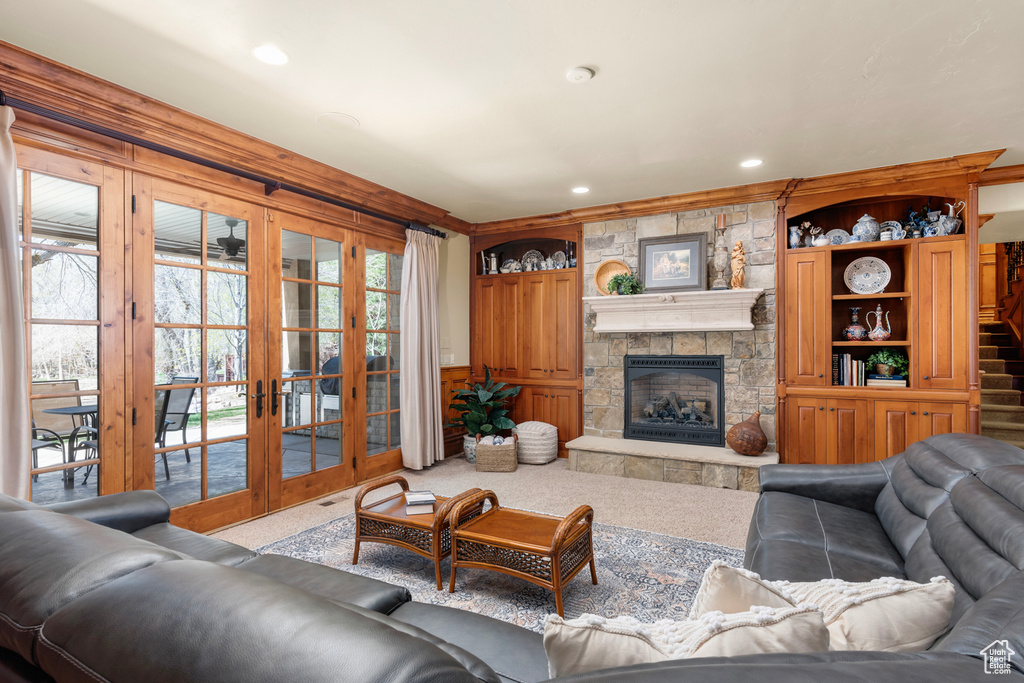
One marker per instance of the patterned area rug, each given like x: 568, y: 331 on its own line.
x: 645, y: 575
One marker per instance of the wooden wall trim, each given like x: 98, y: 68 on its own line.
x: 1002, y: 175
x: 46, y: 83
x: 740, y: 194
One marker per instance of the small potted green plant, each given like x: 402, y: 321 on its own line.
x: 481, y: 411
x: 624, y: 283
x: 889, y: 361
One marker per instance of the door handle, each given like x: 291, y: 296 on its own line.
x: 259, y: 398
x: 832, y: 410
x: 925, y: 412
x: 913, y: 412
x: 925, y: 377
x: 273, y: 397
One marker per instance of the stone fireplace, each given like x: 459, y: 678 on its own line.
x: 678, y: 399
x: 748, y: 355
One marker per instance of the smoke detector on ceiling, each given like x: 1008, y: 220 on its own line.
x: 580, y: 74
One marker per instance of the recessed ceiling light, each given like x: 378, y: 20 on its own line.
x: 581, y: 190
x: 751, y: 163
x: 270, y: 54
x: 335, y: 120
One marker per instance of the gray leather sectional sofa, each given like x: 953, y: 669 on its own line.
x: 107, y: 590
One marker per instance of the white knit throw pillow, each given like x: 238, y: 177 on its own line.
x: 592, y: 642
x: 888, y: 614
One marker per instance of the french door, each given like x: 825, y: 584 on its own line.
x: 198, y: 316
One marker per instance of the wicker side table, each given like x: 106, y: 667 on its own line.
x: 545, y: 550
x: 426, y: 535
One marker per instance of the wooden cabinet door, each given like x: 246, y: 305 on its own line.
x: 941, y: 302
x: 487, y: 304
x: 563, y: 411
x: 806, y: 431
x: 563, y: 325
x: 941, y: 418
x: 807, y: 336
x: 509, y: 327
x: 896, y: 427
x: 537, y: 345
x: 849, y: 431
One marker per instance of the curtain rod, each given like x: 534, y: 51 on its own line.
x: 269, y: 185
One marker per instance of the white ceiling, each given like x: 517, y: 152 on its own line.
x: 464, y: 103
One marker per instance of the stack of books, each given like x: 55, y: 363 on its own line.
x: 419, y: 502
x: 887, y: 381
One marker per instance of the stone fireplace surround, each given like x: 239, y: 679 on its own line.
x: 749, y: 355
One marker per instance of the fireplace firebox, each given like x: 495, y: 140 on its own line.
x: 675, y: 398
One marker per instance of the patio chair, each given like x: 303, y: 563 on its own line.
x: 179, y: 408
x: 62, y: 425
x: 160, y: 423
x: 45, y: 438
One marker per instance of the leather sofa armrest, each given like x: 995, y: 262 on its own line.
x: 127, y: 512
x: 852, y: 486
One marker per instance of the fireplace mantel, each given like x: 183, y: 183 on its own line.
x: 697, y: 311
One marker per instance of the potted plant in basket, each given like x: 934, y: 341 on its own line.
x: 481, y: 411
x: 624, y: 283
x: 889, y: 361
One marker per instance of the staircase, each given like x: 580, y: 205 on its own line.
x: 1002, y: 416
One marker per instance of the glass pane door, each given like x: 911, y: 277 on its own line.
x: 311, y: 378
x: 201, y: 428
x: 72, y: 268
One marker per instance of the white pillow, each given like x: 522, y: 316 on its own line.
x: 593, y: 642
x: 888, y: 614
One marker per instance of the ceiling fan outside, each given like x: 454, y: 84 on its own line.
x: 230, y: 244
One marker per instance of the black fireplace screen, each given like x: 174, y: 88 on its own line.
x: 675, y: 398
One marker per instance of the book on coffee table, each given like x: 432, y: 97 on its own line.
x: 419, y: 502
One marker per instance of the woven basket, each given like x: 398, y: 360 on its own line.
x: 490, y: 458
x: 538, y: 442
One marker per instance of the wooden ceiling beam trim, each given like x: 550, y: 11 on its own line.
x: 1002, y: 175
x: 741, y: 194
x: 46, y: 83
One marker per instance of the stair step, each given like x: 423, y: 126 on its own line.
x: 1003, y: 397
x: 1003, y: 431
x: 985, y: 339
x: 992, y: 380
x: 1008, y: 352
x: 1000, y: 339
x: 997, y: 326
x: 1014, y: 367
x: 988, y: 352
x: 994, y: 365
x: 991, y: 414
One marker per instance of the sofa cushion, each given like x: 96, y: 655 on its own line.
x: 11, y: 504
x: 516, y: 654
x: 192, y: 622
x: 191, y: 545
x: 329, y: 583
x: 794, y: 561
x: 128, y: 511
x: 50, y: 560
x: 839, y: 535
x: 998, y: 615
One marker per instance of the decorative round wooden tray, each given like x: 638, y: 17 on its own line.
x: 606, y: 271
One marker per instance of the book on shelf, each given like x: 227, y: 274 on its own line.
x: 849, y: 372
x: 886, y: 383
x: 894, y: 378
x: 419, y: 509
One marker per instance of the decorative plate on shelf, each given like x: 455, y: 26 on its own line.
x: 606, y: 271
x: 510, y: 265
x: 532, y: 257
x: 891, y: 225
x: 867, y: 275
x: 558, y: 257
x: 838, y: 236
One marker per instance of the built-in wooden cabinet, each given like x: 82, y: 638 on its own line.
x: 526, y: 328
x: 932, y: 313
x: 942, y: 345
x: 452, y: 378
x: 829, y: 431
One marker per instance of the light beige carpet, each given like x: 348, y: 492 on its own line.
x: 704, y: 514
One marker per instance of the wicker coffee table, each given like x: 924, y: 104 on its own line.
x: 545, y: 550
x: 426, y: 535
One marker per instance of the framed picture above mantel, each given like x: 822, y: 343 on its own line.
x: 674, y: 263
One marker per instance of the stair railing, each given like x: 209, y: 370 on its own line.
x: 1011, y: 306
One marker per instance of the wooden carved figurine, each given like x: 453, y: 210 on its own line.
x: 739, y: 260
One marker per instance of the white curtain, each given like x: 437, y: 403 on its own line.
x: 421, y: 414
x: 15, y: 421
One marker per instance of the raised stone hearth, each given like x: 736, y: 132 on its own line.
x: 659, y: 461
